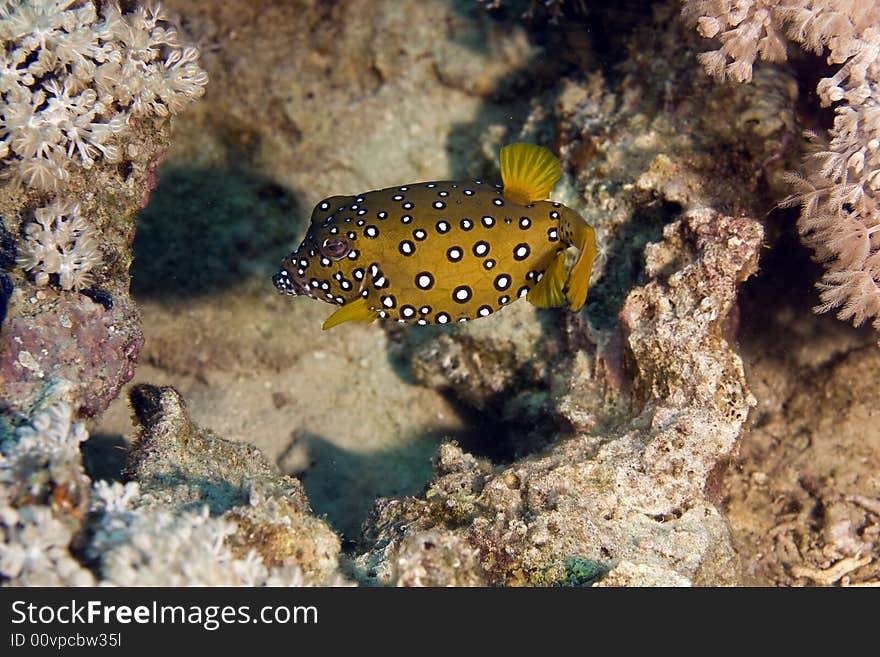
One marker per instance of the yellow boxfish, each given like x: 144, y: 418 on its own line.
x: 446, y: 251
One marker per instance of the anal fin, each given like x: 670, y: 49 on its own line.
x: 548, y: 293
x: 354, y: 311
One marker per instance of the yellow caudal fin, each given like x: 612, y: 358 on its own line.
x: 528, y: 172
x: 579, y: 277
x: 354, y: 311
x: 548, y: 293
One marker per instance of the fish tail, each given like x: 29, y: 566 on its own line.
x: 528, y: 172
x: 580, y: 234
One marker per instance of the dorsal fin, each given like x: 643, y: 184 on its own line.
x: 528, y: 172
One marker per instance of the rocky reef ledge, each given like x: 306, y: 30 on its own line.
x: 630, y: 501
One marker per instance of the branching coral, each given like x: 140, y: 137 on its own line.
x: 839, y: 190
x: 60, y: 244
x: 72, y: 75
x: 34, y: 549
x: 152, y: 545
x: 132, y: 539
x: 38, y: 463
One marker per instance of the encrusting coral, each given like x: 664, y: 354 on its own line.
x: 74, y: 72
x: 60, y: 242
x: 839, y: 190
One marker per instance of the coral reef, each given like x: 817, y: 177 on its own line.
x: 180, y: 465
x: 35, y: 549
x: 639, y: 149
x: 430, y: 78
x: 41, y: 463
x: 839, y: 189
x: 569, y: 450
x: 156, y: 546
x: 60, y: 243
x: 505, y: 372
x: 230, y: 520
x: 75, y: 73
x: 44, y: 494
x: 86, y: 91
x: 73, y: 339
x: 631, y: 495
x: 749, y: 28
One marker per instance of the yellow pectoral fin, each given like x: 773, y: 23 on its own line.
x: 354, y: 311
x: 548, y: 293
x: 579, y: 278
x: 528, y: 172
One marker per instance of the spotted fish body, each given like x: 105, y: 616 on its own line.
x: 434, y: 253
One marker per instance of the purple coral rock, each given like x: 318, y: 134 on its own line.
x: 75, y: 339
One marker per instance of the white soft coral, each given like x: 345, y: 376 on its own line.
x: 71, y: 76
x: 839, y: 190
x: 59, y: 243
x: 840, y: 212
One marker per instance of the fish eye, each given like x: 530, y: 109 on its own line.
x: 335, y: 248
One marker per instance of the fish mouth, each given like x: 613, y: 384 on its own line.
x: 287, y: 285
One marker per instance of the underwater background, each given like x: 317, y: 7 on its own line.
x: 695, y: 424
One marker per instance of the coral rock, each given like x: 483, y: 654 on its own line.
x: 75, y: 339
x: 179, y: 465
x: 627, y: 500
